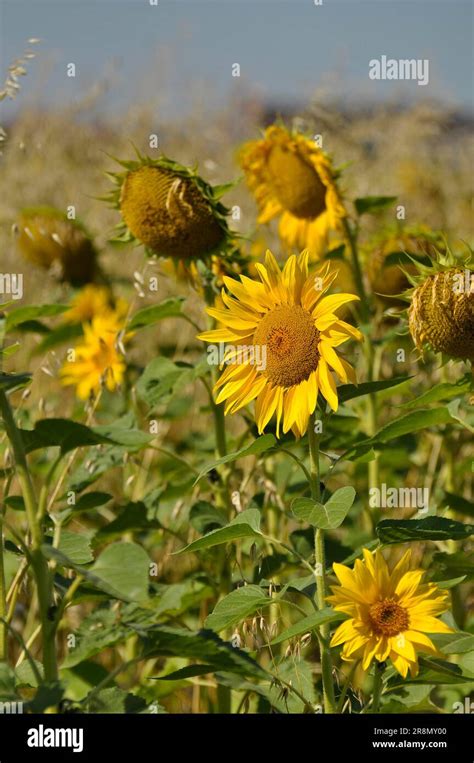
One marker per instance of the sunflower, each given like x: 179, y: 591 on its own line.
x: 48, y: 239
x: 170, y: 209
x: 284, y: 333
x: 291, y: 177
x: 390, y: 613
x: 98, y: 360
x: 88, y: 302
x: 441, y: 313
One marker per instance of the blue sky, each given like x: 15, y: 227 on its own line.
x: 286, y: 48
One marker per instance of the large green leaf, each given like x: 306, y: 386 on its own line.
x: 64, y: 433
x: 413, y: 422
x: 21, y: 315
x: 430, y: 528
x: 433, y: 671
x: 373, y: 204
x: 204, y: 645
x: 454, y: 643
x: 327, y: 516
x: 122, y: 570
x: 76, y: 547
x: 442, y: 391
x: 309, y: 623
x: 236, y: 606
x: 162, y: 379
x: 245, y: 525
x: 149, y: 315
x: 350, y: 391
x: 10, y: 381
x: 97, y: 631
x: 260, y: 445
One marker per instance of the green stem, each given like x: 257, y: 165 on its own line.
x: 378, y: 686
x: 3, y: 600
x: 320, y: 566
x: 38, y: 562
x: 359, y: 280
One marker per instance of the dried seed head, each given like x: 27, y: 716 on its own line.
x: 169, y: 213
x: 441, y: 313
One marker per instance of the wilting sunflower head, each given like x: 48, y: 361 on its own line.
x: 98, y: 361
x: 170, y: 210
x: 389, y: 612
x: 389, y: 259
x: 281, y: 334
x: 292, y: 178
x: 441, y: 313
x: 48, y: 239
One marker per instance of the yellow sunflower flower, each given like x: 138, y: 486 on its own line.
x: 284, y: 332
x: 90, y: 301
x: 390, y: 613
x: 291, y: 177
x: 98, y: 361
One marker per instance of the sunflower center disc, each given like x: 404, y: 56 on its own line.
x: 291, y: 340
x: 296, y: 184
x: 388, y: 618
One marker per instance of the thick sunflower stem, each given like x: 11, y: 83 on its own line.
x: 320, y: 566
x: 39, y: 564
x: 378, y: 686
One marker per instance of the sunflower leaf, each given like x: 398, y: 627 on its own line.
x: 170, y: 308
x: 373, y: 204
x: 245, y: 525
x: 236, y: 606
x: 260, y: 445
x: 309, y: 623
x: 326, y: 516
x: 430, y: 528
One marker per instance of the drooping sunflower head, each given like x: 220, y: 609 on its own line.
x: 170, y: 210
x: 292, y: 178
x: 98, y: 361
x: 48, y: 239
x: 441, y: 312
x: 389, y: 258
x: 281, y: 333
x: 389, y: 612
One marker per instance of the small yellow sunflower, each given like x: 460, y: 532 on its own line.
x: 98, y: 361
x: 284, y: 333
x: 171, y: 210
x: 91, y: 301
x: 291, y: 177
x: 390, y: 613
x: 48, y: 239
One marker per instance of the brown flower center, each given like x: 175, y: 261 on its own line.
x: 296, y: 184
x: 388, y: 618
x: 291, y: 340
